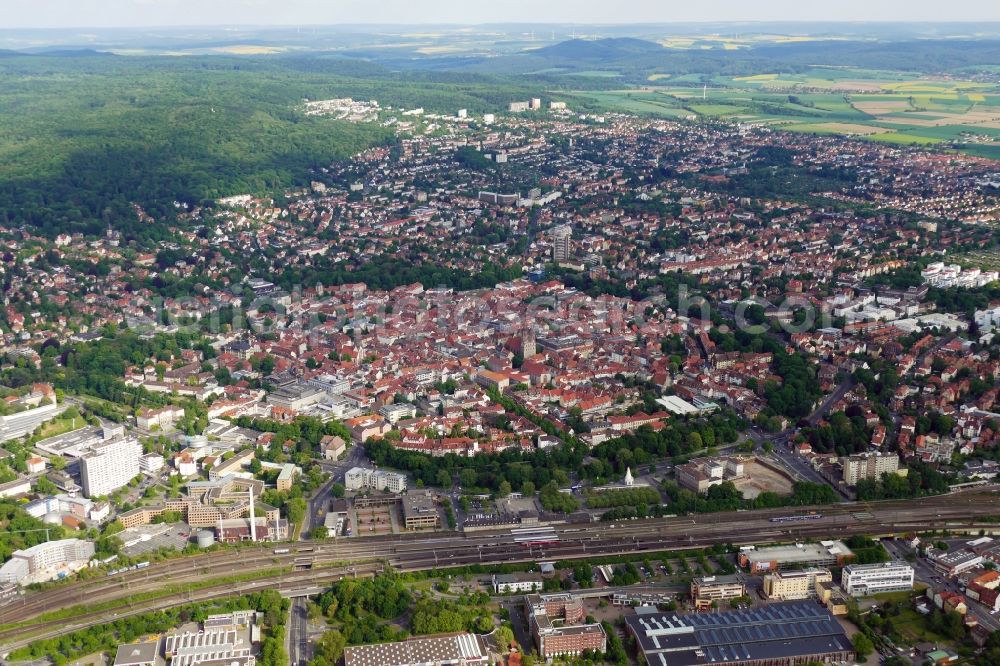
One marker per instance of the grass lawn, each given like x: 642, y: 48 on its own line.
x: 61, y: 425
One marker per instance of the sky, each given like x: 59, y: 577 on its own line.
x: 150, y: 13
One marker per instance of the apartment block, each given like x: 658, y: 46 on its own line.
x: 109, y: 466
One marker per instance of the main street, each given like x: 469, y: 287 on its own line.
x: 210, y: 575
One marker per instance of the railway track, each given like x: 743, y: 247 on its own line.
x: 423, y: 551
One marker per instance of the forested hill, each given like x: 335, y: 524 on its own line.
x: 83, y: 139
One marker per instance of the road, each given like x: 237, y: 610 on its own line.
x: 210, y: 575
x: 297, y: 638
x: 319, y: 503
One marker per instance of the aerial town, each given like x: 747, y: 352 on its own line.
x: 531, y: 385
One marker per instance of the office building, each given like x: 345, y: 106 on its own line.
x: 420, y: 512
x: 109, y: 466
x: 871, y: 465
x: 710, y: 589
x: 456, y: 650
x: 785, y: 634
x: 860, y: 580
x: 558, y: 628
x: 790, y: 585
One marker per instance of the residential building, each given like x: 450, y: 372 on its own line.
x: 859, y: 580
x: 109, y: 466
x: 561, y: 248
x: 46, y: 561
x: 869, y: 465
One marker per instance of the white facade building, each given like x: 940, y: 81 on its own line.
x: 47, y: 555
x: 109, y: 466
x: 358, y: 478
x: 860, y: 580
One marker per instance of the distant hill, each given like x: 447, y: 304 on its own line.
x: 605, y: 50
x: 66, y: 53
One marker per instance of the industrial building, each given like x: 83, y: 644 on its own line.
x: 860, y: 580
x: 784, y: 634
x: 454, y: 650
x: 822, y: 554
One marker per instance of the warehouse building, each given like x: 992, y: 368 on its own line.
x: 784, y: 634
x: 822, y: 554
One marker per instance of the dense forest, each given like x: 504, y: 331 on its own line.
x: 85, y: 139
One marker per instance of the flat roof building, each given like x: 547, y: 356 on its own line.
x: 451, y: 650
x: 784, y: 634
x: 822, y: 554
x: 710, y: 589
x: 789, y: 585
x: 859, y: 580
x: 110, y: 465
x: 137, y: 654
x: 557, y: 625
x: 420, y: 512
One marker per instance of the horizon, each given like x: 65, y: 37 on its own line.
x: 140, y: 14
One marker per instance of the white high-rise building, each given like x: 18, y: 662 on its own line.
x: 109, y: 466
x: 860, y: 580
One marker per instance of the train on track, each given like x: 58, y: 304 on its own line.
x: 795, y: 519
x: 134, y: 567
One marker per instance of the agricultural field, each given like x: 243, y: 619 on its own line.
x: 888, y: 107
